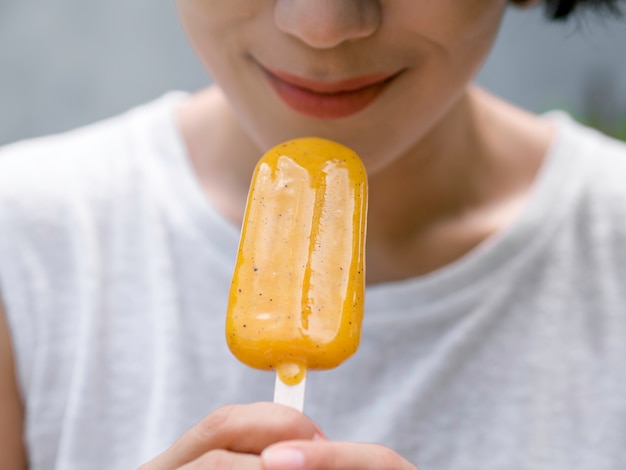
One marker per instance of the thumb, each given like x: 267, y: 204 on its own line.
x: 326, y: 455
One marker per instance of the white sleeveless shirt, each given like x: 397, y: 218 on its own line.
x: 115, y: 268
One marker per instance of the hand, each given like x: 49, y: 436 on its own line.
x: 232, y: 437
x: 265, y: 436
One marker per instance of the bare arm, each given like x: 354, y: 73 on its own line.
x: 12, y: 450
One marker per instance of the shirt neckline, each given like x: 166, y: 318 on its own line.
x: 208, y: 221
x: 550, y: 199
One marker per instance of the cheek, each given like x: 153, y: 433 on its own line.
x: 211, y: 23
x: 449, y: 22
x: 220, y: 11
x: 213, y: 26
x: 471, y: 44
x: 453, y: 37
x: 482, y: 23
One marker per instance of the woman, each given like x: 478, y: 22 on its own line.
x: 495, y: 325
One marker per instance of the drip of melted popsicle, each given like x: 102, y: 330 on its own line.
x: 297, y: 294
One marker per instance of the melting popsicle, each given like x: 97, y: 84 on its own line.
x: 297, y: 294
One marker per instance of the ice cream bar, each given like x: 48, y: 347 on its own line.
x: 297, y: 294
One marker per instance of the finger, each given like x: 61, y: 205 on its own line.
x: 324, y: 455
x: 224, y: 460
x: 238, y: 428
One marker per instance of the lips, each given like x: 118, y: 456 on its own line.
x: 327, y: 100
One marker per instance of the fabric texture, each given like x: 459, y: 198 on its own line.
x: 115, y: 268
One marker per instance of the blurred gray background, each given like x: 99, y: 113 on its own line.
x: 65, y: 63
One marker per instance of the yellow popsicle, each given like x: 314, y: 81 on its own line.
x: 297, y: 294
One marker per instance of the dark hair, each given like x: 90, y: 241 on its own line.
x: 562, y: 9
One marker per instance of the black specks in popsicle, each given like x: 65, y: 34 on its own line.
x: 239, y: 290
x: 255, y: 269
x: 245, y: 326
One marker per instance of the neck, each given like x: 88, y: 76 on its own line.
x: 466, y: 180
x: 222, y: 154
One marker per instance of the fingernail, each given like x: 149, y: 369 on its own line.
x: 319, y: 435
x: 282, y: 459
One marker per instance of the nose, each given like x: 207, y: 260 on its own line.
x: 324, y: 24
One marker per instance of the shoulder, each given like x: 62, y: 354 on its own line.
x: 82, y: 154
x: 44, y: 181
x: 599, y: 205
x: 44, y: 163
x: 606, y: 166
x: 601, y: 159
x: 86, y: 164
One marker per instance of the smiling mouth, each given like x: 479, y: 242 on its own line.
x: 327, y: 100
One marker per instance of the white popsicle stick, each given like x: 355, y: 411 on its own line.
x: 289, y: 395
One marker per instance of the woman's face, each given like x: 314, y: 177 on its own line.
x: 376, y: 75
